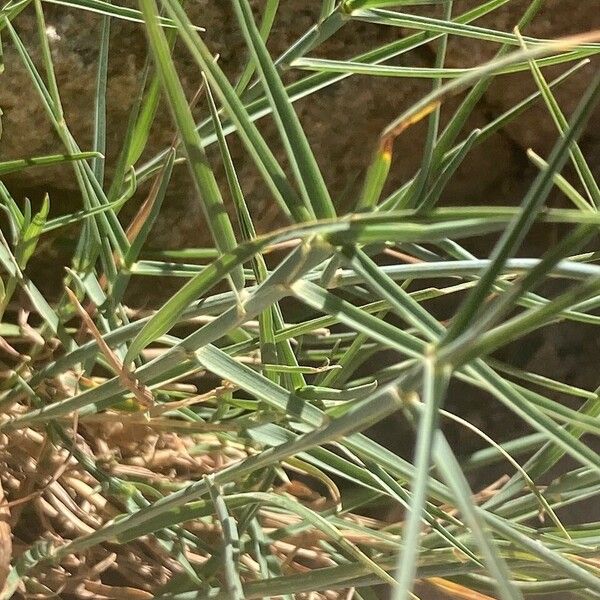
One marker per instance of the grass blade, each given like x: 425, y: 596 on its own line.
x: 308, y: 175
x: 204, y: 179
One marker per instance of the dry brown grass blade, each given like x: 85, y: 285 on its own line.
x: 117, y: 593
x: 6, y: 347
x: 386, y: 141
x: 455, y: 590
x: 481, y: 496
x: 142, y: 394
x: 160, y: 423
x: 5, y: 539
x: 196, y: 399
x: 43, y: 463
x: 29, y: 333
x: 140, y: 217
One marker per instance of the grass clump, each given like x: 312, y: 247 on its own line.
x: 213, y: 446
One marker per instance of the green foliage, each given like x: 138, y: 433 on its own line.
x: 283, y: 383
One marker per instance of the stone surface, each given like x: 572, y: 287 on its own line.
x: 342, y: 121
x: 557, y: 18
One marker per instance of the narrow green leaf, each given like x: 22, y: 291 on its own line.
x: 307, y: 172
x: 231, y: 542
x: 449, y: 467
x: 397, y: 19
x: 375, y: 177
x: 515, y: 233
x: 259, y: 150
x: 167, y: 316
x: 13, y: 166
x: 111, y: 10
x: 565, y: 187
x: 583, y: 170
x: 435, y: 382
x: 204, y: 179
x: 31, y: 234
x: 268, y: 17
x: 99, y: 143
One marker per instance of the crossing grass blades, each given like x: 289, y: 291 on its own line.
x: 213, y: 446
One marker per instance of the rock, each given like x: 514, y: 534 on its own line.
x: 342, y: 121
x: 556, y: 18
